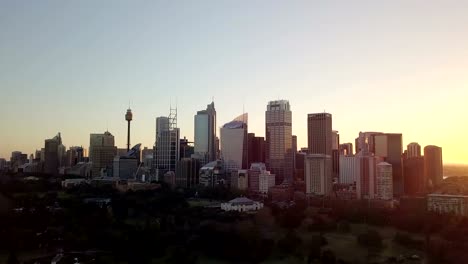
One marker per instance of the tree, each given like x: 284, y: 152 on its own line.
x: 328, y: 257
x: 370, y: 239
x: 12, y: 258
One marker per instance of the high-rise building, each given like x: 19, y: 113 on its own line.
x: 278, y: 130
x: 390, y: 147
x: 17, y: 160
x: 384, y: 181
x: 335, y: 155
x: 294, y: 151
x: 51, y: 154
x: 167, y: 145
x: 366, y: 141
x: 2, y: 164
x: 365, y: 175
x: 415, y: 180
x: 102, y: 151
x: 317, y: 174
x: 319, y: 134
x: 205, y: 134
x: 234, y: 144
x: 299, y: 166
x: 74, y: 156
x: 346, y: 149
x: 256, y: 149
x: 186, y: 148
x: 347, y: 170
x: 413, y: 150
x: 433, y: 166
x: 321, y: 139
x: 187, y: 175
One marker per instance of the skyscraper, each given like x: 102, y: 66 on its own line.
x: 320, y: 139
x: 278, y: 130
x: 319, y: 134
x: 256, y: 149
x: 415, y: 178
x: 433, y: 166
x: 366, y: 141
x: 346, y: 149
x: 188, y: 171
x: 413, y: 150
x: 167, y: 145
x: 205, y: 134
x: 365, y: 175
x: 234, y: 144
x: 390, y: 147
x: 51, y: 155
x: 335, y: 155
x: 102, y: 151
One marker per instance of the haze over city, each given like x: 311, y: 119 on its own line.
x: 73, y: 67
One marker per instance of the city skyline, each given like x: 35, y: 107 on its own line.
x: 63, y: 73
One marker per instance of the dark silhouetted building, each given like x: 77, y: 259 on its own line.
x: 415, y: 179
x: 186, y: 148
x: 256, y: 149
x: 320, y: 134
x: 433, y: 166
x: 51, y: 154
x: 319, y: 164
x: 206, y: 146
x: 187, y: 175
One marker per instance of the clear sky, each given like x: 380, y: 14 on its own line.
x: 390, y: 66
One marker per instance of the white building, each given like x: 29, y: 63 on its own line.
x: 241, y: 204
x: 384, y: 181
x: 347, y: 169
x: 318, y: 174
x: 234, y: 144
x: 266, y: 181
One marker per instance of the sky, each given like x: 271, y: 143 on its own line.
x: 74, y: 67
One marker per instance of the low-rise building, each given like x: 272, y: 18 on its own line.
x: 241, y: 204
x: 448, y: 203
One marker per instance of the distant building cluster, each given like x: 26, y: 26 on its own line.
x: 375, y: 166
